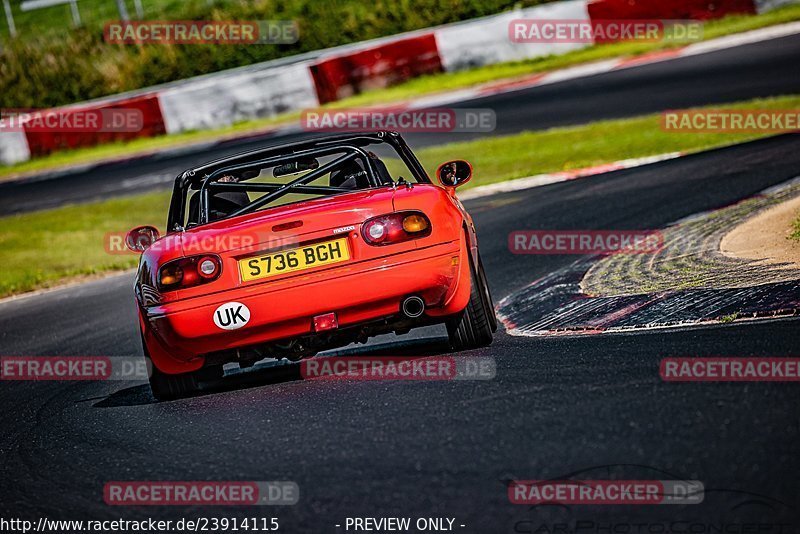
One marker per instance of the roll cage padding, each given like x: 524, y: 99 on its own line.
x: 282, y: 189
x: 197, y: 175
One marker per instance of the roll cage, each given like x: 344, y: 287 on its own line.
x: 352, y: 146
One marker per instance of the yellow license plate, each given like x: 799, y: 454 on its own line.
x: 297, y: 259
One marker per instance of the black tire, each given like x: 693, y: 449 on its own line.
x: 474, y: 327
x: 487, y: 296
x: 170, y: 387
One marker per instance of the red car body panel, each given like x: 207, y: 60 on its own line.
x: 178, y: 327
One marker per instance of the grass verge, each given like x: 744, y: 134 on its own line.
x: 49, y: 247
x: 422, y: 86
x: 497, y: 159
x: 795, y: 235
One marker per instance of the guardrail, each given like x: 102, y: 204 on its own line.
x: 301, y: 82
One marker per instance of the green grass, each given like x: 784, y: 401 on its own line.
x: 729, y: 318
x: 795, y: 229
x: 504, y: 158
x: 51, y: 64
x: 58, y: 19
x: 44, y: 248
x: 414, y: 88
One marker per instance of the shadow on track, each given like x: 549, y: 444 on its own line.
x: 277, y: 372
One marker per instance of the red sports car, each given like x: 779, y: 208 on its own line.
x: 294, y: 249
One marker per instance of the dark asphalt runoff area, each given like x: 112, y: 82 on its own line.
x: 591, y: 406
x: 764, y: 69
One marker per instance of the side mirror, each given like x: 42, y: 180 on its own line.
x: 141, y: 237
x: 454, y: 173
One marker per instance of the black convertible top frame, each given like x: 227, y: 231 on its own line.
x: 202, y: 177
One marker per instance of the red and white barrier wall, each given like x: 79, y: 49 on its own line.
x: 345, y: 74
x: 14, y: 147
x: 268, y: 89
x: 44, y: 141
x: 485, y: 41
x: 216, y: 101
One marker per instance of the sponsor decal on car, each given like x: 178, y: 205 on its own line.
x: 231, y: 316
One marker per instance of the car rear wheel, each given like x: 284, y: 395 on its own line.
x: 475, y: 326
x: 487, y: 296
x: 170, y: 387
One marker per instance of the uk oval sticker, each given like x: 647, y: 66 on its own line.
x: 231, y: 316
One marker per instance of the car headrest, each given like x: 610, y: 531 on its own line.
x: 222, y: 204
x: 350, y: 176
x: 383, y: 172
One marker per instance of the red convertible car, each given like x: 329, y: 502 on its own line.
x: 290, y: 250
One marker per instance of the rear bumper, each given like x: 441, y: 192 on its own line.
x: 178, y: 334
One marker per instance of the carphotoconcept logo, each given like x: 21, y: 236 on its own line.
x: 585, y: 241
x: 186, y: 32
x: 400, y: 120
x: 566, y: 503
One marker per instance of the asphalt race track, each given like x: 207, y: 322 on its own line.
x: 762, y: 69
x: 558, y: 405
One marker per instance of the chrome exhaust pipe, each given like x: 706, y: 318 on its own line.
x: 413, y: 307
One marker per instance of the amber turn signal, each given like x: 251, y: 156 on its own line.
x: 415, y: 223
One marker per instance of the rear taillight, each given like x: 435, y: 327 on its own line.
x: 396, y: 228
x: 189, y: 272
